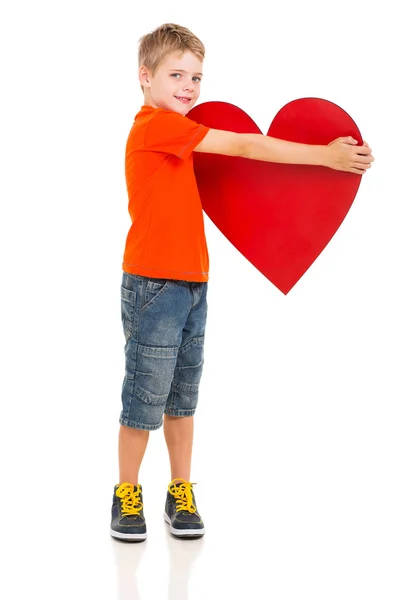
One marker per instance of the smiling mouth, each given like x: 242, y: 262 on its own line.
x: 183, y: 98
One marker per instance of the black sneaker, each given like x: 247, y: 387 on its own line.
x: 127, y: 518
x: 181, y: 512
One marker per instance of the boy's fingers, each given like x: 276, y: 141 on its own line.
x: 362, y: 166
x: 348, y: 140
x: 360, y: 170
x: 365, y: 159
x: 363, y: 150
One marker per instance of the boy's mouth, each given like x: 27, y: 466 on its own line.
x: 183, y: 99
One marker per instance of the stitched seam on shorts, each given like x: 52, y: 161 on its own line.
x: 196, y: 341
x: 158, y: 351
x: 147, y: 397
x: 185, y: 387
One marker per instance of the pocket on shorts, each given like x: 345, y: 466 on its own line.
x: 128, y: 303
x: 154, y: 373
x: 153, y: 290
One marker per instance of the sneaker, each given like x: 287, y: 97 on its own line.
x: 181, y: 512
x: 127, y: 518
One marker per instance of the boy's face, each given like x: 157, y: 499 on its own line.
x: 175, y: 85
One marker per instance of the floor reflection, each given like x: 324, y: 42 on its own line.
x: 127, y: 559
x: 182, y: 557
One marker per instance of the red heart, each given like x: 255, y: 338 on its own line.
x: 280, y: 217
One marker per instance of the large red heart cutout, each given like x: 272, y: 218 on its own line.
x: 279, y: 216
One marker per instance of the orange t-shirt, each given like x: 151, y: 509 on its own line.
x: 166, y: 238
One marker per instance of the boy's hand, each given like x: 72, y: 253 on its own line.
x: 345, y: 155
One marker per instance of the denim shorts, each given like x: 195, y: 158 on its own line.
x: 164, y: 324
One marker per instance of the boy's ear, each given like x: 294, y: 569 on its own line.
x: 144, y: 76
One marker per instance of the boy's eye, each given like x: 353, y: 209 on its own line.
x: 179, y: 74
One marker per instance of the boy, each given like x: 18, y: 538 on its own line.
x: 165, y: 268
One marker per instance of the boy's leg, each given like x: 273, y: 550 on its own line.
x: 181, y: 512
x: 127, y: 518
x: 151, y: 352
x: 132, y: 445
x: 178, y: 432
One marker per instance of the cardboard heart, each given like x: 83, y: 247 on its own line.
x: 280, y: 217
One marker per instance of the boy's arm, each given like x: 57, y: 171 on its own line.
x: 342, y: 154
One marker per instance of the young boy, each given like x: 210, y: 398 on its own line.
x: 165, y: 268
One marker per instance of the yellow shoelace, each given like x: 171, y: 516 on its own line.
x: 131, y: 504
x: 183, y: 494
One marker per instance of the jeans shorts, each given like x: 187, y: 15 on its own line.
x: 164, y: 324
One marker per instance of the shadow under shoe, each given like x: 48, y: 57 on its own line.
x: 180, y: 510
x: 127, y: 518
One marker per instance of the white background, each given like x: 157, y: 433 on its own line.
x: 297, y: 435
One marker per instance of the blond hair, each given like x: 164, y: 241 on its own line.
x: 167, y: 39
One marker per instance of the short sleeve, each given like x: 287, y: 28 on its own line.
x: 173, y: 133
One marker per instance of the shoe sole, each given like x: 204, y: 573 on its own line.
x: 129, y: 537
x: 183, y: 532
